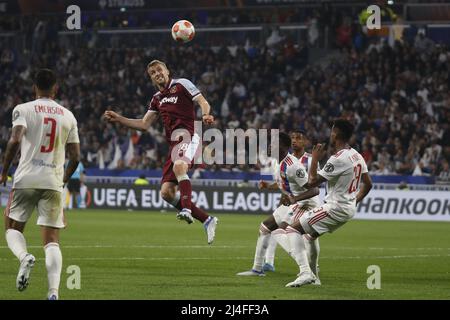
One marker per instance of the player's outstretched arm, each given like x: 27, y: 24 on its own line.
x: 365, y: 187
x: 74, y: 154
x: 305, y: 195
x: 138, y: 124
x: 207, y: 118
x: 11, y: 150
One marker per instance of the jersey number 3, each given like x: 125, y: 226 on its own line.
x: 51, y: 135
x: 356, y: 178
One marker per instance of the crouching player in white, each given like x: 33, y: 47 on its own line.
x: 299, y: 141
x: 292, y: 177
x: 343, y: 172
x: 43, y: 130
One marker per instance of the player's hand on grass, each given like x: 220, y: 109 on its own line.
x: 263, y: 185
x: 208, y: 119
x: 111, y: 116
x: 319, y: 151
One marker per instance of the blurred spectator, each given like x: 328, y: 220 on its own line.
x: 141, y: 181
x: 398, y: 97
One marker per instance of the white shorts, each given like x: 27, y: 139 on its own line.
x: 49, y: 204
x: 323, y: 219
x: 289, y: 214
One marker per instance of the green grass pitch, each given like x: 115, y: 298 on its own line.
x: 151, y: 255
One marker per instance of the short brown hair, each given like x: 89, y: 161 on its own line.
x: 153, y: 62
x: 45, y: 79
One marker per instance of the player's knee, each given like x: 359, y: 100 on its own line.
x: 180, y: 167
x: 283, y: 225
x: 167, y: 195
x: 263, y: 230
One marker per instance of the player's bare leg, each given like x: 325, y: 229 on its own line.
x: 295, y: 234
x: 53, y: 260
x: 265, y: 230
x: 17, y: 244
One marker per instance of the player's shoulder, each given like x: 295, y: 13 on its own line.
x: 183, y: 81
x: 186, y: 84
x: 288, y: 161
x: 305, y: 157
x: 67, y: 111
x: 24, y: 106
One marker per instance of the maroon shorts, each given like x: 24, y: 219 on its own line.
x: 184, y: 151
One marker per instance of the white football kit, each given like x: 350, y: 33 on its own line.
x: 292, y: 176
x: 343, y: 173
x: 38, y: 180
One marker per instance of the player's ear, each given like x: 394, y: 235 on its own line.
x: 55, y: 89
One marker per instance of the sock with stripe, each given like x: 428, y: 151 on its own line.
x: 298, y: 249
x: 261, y: 247
x: 197, y: 213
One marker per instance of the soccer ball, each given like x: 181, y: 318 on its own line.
x: 183, y: 31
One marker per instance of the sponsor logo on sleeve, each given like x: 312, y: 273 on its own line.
x: 329, y: 168
x: 16, y: 115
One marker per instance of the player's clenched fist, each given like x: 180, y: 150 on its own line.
x: 208, y: 119
x: 111, y: 116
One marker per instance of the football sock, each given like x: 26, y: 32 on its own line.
x: 198, y: 213
x: 298, y: 250
x: 313, y: 250
x: 53, y: 263
x: 261, y: 247
x: 16, y: 243
x: 281, y: 238
x: 270, y: 253
x: 185, y: 191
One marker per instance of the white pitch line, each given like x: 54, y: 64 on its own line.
x: 138, y: 246
x: 234, y: 258
x: 220, y: 247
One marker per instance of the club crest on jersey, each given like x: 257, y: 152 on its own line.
x: 172, y: 100
x: 173, y: 89
x: 329, y: 168
x: 300, y: 173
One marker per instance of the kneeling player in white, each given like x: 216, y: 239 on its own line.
x: 291, y: 179
x: 299, y: 141
x: 343, y: 173
x: 43, y: 130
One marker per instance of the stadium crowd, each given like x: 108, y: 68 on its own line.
x: 397, y: 95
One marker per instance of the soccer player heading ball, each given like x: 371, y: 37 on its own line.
x: 174, y: 102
